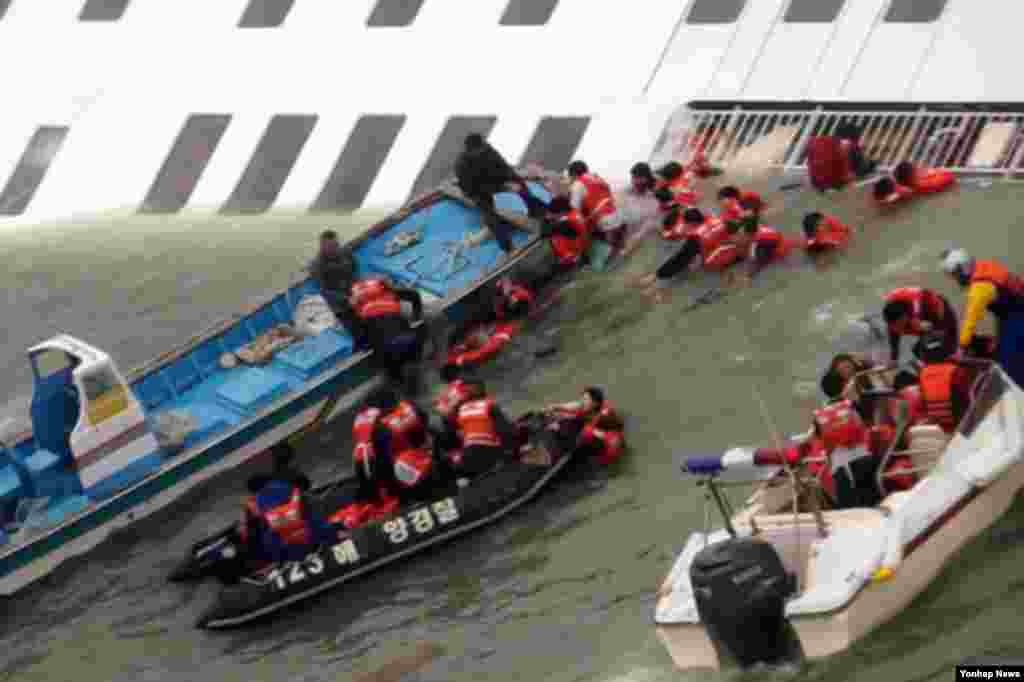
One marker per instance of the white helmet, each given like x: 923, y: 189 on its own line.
x: 957, y: 261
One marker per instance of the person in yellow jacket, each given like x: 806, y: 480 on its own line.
x: 990, y: 286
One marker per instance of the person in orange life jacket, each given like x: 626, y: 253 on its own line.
x: 729, y: 207
x: 824, y: 233
x: 485, y: 435
x: 915, y: 311
x: 990, y: 286
x: 701, y: 237
x: 758, y: 244
x: 569, y: 233
x: 376, y: 481
x: 590, y: 426
x: 506, y: 300
x: 280, y: 525
x: 592, y: 197
x: 481, y: 173
x: 922, y: 180
x: 642, y: 180
x: 945, y: 384
x: 887, y: 191
x: 394, y: 341
x: 403, y: 448
x: 676, y: 179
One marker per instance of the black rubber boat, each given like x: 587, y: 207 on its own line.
x: 454, y: 511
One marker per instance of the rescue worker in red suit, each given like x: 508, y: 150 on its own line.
x: 485, y: 436
x: 394, y: 341
x: 945, y: 383
x: 278, y: 523
x: 701, y: 236
x: 403, y: 449
x: 590, y: 426
x: 591, y: 195
x: 915, y: 311
x: 508, y: 299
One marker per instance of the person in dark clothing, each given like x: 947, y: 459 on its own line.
x: 394, y: 340
x: 481, y: 173
x: 503, y: 300
x: 849, y: 134
x: 402, y: 425
x: 486, y: 435
x: 334, y: 269
x: 284, y: 469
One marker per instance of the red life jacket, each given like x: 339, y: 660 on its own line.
x: 830, y: 233
x: 612, y: 440
x: 932, y: 180
x: 568, y: 250
x: 404, y: 425
x: 1009, y: 287
x: 682, y: 193
x: 678, y: 229
x: 362, y: 436
x: 374, y: 297
x: 711, y: 235
x: 288, y: 522
x: 513, y: 293
x: 769, y: 235
x: 413, y: 466
x: 937, y: 394
x: 498, y: 336
x: 450, y: 397
x: 597, y: 201
x: 925, y: 305
x: 475, y: 424
x: 839, y: 426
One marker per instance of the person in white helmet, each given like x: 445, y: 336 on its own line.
x: 990, y: 286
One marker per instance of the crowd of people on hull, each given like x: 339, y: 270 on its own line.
x: 400, y: 457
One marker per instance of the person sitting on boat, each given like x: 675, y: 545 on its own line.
x: 279, y: 523
x: 824, y: 233
x: 990, y: 286
x: 334, y: 269
x: 945, y: 383
x: 375, y: 479
x: 591, y: 195
x: 675, y: 178
x: 642, y: 180
x: 394, y: 341
x: 484, y: 435
x: 914, y: 311
x: 403, y: 457
x: 590, y: 426
x: 482, y: 172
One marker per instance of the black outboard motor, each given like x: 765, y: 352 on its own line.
x: 741, y: 587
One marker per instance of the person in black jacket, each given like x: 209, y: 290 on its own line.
x: 334, y: 269
x: 481, y: 173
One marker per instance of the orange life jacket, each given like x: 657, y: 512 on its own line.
x: 769, y: 235
x: 362, y: 436
x: 405, y: 427
x: 413, y: 466
x: 498, y: 336
x: 831, y: 233
x: 839, y: 426
x: 512, y: 292
x: 374, y: 297
x: 288, y: 521
x: 678, y: 229
x: 475, y: 424
x: 712, y: 234
x: 450, y: 397
x: 682, y: 193
x: 925, y: 306
x: 937, y: 394
x: 597, y: 201
x: 568, y: 250
x: 1010, y: 287
x: 932, y: 180
x: 611, y: 439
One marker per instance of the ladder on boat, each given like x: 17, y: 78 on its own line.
x: 968, y: 139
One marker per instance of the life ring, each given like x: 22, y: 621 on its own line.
x: 498, y: 335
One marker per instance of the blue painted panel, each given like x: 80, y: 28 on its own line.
x: 60, y: 510
x: 206, y: 358
x: 252, y: 388
x: 261, y: 321
x: 183, y: 374
x: 283, y: 312
x: 235, y: 337
x: 152, y: 391
x: 12, y: 489
x: 50, y: 476
x: 128, y: 476
x: 315, y: 354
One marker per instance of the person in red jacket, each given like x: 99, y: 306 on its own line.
x: 590, y: 426
x: 759, y: 245
x: 702, y: 236
x: 396, y: 343
x: 591, y: 195
x: 570, y: 235
x: 824, y: 233
x: 913, y: 311
x: 676, y: 179
x: 945, y: 383
x: 485, y: 436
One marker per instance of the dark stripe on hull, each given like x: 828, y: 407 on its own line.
x: 122, y: 439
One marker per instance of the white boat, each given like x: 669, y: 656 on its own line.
x: 812, y: 584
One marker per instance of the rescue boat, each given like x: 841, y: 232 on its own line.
x: 779, y: 584
x: 454, y: 510
x: 106, y: 448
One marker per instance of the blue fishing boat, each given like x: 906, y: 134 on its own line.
x: 95, y: 458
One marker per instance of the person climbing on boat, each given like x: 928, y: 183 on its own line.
x: 279, y: 524
x: 569, y: 234
x: 484, y: 332
x: 590, y: 426
x: 946, y: 383
x: 824, y: 234
x: 642, y: 180
x: 481, y: 172
x: 451, y: 394
x: 591, y: 195
x: 485, y: 436
x: 334, y: 269
x: 395, y: 342
x: 702, y: 236
x: 914, y: 311
x: 990, y: 286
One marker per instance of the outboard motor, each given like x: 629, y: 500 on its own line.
x: 741, y: 586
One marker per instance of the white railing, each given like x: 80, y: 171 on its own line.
x: 964, y: 139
